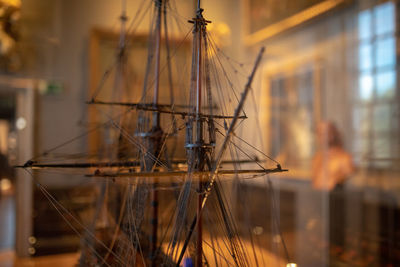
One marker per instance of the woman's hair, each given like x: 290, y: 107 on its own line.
x: 329, y: 133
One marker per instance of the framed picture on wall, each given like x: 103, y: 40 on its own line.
x: 294, y: 110
x: 267, y: 18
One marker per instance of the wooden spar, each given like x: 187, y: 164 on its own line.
x: 164, y: 108
x: 198, y: 80
x: 182, y: 173
x: 122, y: 46
x: 122, y: 35
x: 154, y: 222
x: 199, y: 128
x: 232, y: 126
x: 198, y: 149
x: 119, y: 164
x: 82, y: 165
x: 156, y: 125
x: 156, y: 116
x: 142, y: 105
x: 199, y: 246
x: 215, y: 169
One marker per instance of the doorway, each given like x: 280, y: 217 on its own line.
x: 16, y: 146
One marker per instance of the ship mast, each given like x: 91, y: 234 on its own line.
x: 198, y: 150
x: 156, y: 134
x: 214, y: 171
x: 156, y: 115
x: 122, y: 36
x: 199, y: 128
x: 201, y: 153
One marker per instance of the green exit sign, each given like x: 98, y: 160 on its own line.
x: 48, y: 87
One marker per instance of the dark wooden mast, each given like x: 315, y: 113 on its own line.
x: 218, y: 160
x: 198, y: 150
x: 199, y: 128
x: 155, y: 138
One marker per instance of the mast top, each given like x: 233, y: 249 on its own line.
x: 199, y: 11
x: 123, y: 16
x: 199, y: 19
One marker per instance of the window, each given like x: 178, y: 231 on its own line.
x: 375, y: 125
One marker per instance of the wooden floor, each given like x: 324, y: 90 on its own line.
x: 264, y: 258
x: 261, y: 257
x: 7, y: 240
x: 8, y: 259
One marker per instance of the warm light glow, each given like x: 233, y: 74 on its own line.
x: 258, y: 230
x: 220, y: 32
x: 220, y: 28
x: 291, y: 265
x: 14, y: 3
x: 32, y: 240
x: 31, y: 250
x: 20, y: 123
x: 5, y: 184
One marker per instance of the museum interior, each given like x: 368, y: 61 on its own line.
x: 199, y: 133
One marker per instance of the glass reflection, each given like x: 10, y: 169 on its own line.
x: 385, y: 84
x: 366, y: 87
x: 364, y: 24
x: 360, y: 149
x: 384, y: 18
x: 385, y: 52
x: 361, y: 120
x: 381, y: 150
x: 365, y: 57
x: 381, y: 117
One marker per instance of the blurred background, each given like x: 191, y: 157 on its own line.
x: 327, y: 104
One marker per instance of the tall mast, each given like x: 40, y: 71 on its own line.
x: 218, y: 160
x: 120, y: 75
x: 123, y: 18
x: 199, y: 127
x: 198, y: 81
x: 156, y: 116
x: 122, y: 45
x: 155, y: 140
x: 197, y: 149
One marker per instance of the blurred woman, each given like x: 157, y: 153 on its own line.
x: 332, y: 165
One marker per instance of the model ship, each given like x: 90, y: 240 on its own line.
x: 153, y: 208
